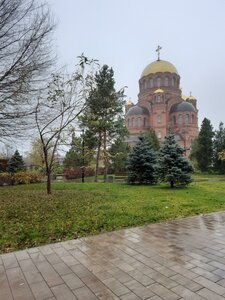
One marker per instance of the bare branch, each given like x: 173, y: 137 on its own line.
x: 26, y: 28
x: 60, y: 108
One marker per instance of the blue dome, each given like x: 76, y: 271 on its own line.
x: 182, y: 106
x: 137, y: 110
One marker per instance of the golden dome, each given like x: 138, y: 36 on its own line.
x: 158, y: 91
x: 191, y: 97
x: 159, y: 66
x: 184, y: 97
x: 129, y: 102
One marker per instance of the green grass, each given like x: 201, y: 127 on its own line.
x: 28, y: 217
x: 206, y: 176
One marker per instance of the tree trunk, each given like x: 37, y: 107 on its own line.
x: 105, y: 158
x: 82, y: 177
x: 49, y: 186
x: 48, y: 170
x: 98, y: 158
x: 172, y: 184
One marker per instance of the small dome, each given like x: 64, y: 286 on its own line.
x: 191, y: 98
x: 159, y: 66
x: 184, y: 97
x: 137, y: 110
x: 158, y: 91
x: 129, y: 102
x: 182, y: 106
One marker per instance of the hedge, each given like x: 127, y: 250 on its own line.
x: 20, y: 178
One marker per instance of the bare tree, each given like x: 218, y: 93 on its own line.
x: 26, y: 28
x: 56, y: 114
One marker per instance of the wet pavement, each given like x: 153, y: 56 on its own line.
x: 182, y: 259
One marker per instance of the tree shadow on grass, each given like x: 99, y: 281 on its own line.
x: 162, y: 186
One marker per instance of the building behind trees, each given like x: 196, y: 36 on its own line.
x: 162, y: 107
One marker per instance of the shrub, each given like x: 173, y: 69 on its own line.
x: 5, y: 179
x: 35, y: 177
x: 20, y: 178
x: 76, y: 172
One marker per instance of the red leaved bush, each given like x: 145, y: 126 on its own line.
x: 76, y: 172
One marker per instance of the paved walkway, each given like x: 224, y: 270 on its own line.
x: 182, y: 259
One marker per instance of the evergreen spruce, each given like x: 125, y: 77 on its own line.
x: 174, y: 167
x: 219, y: 146
x: 152, y: 139
x: 16, y: 163
x: 203, y: 147
x: 142, y: 163
x: 118, y: 153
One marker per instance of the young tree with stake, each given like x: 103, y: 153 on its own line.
x: 54, y: 114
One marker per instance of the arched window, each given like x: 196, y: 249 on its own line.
x: 180, y: 119
x: 174, y: 119
x: 158, y: 98
x: 173, y: 81
x: 187, y: 121
x: 145, y: 84
x: 128, y: 122
x: 159, y: 135
x: 166, y: 81
x: 144, y: 122
x: 158, y: 82
x: 151, y: 82
x: 158, y: 119
x: 132, y: 122
x: 193, y: 118
x: 139, y: 122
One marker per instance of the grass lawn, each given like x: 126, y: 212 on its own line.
x: 28, y: 217
x: 213, y: 177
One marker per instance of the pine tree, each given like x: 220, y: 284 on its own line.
x: 118, y: 153
x: 79, y: 154
x: 142, y: 163
x: 203, y: 150
x: 104, y: 115
x: 174, y: 167
x: 16, y: 163
x: 219, y: 146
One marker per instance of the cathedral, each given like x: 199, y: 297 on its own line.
x: 162, y: 107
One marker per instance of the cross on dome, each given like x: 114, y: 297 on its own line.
x: 158, y: 50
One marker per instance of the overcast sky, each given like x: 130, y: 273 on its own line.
x: 125, y: 33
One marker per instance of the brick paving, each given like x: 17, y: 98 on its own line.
x: 181, y: 259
